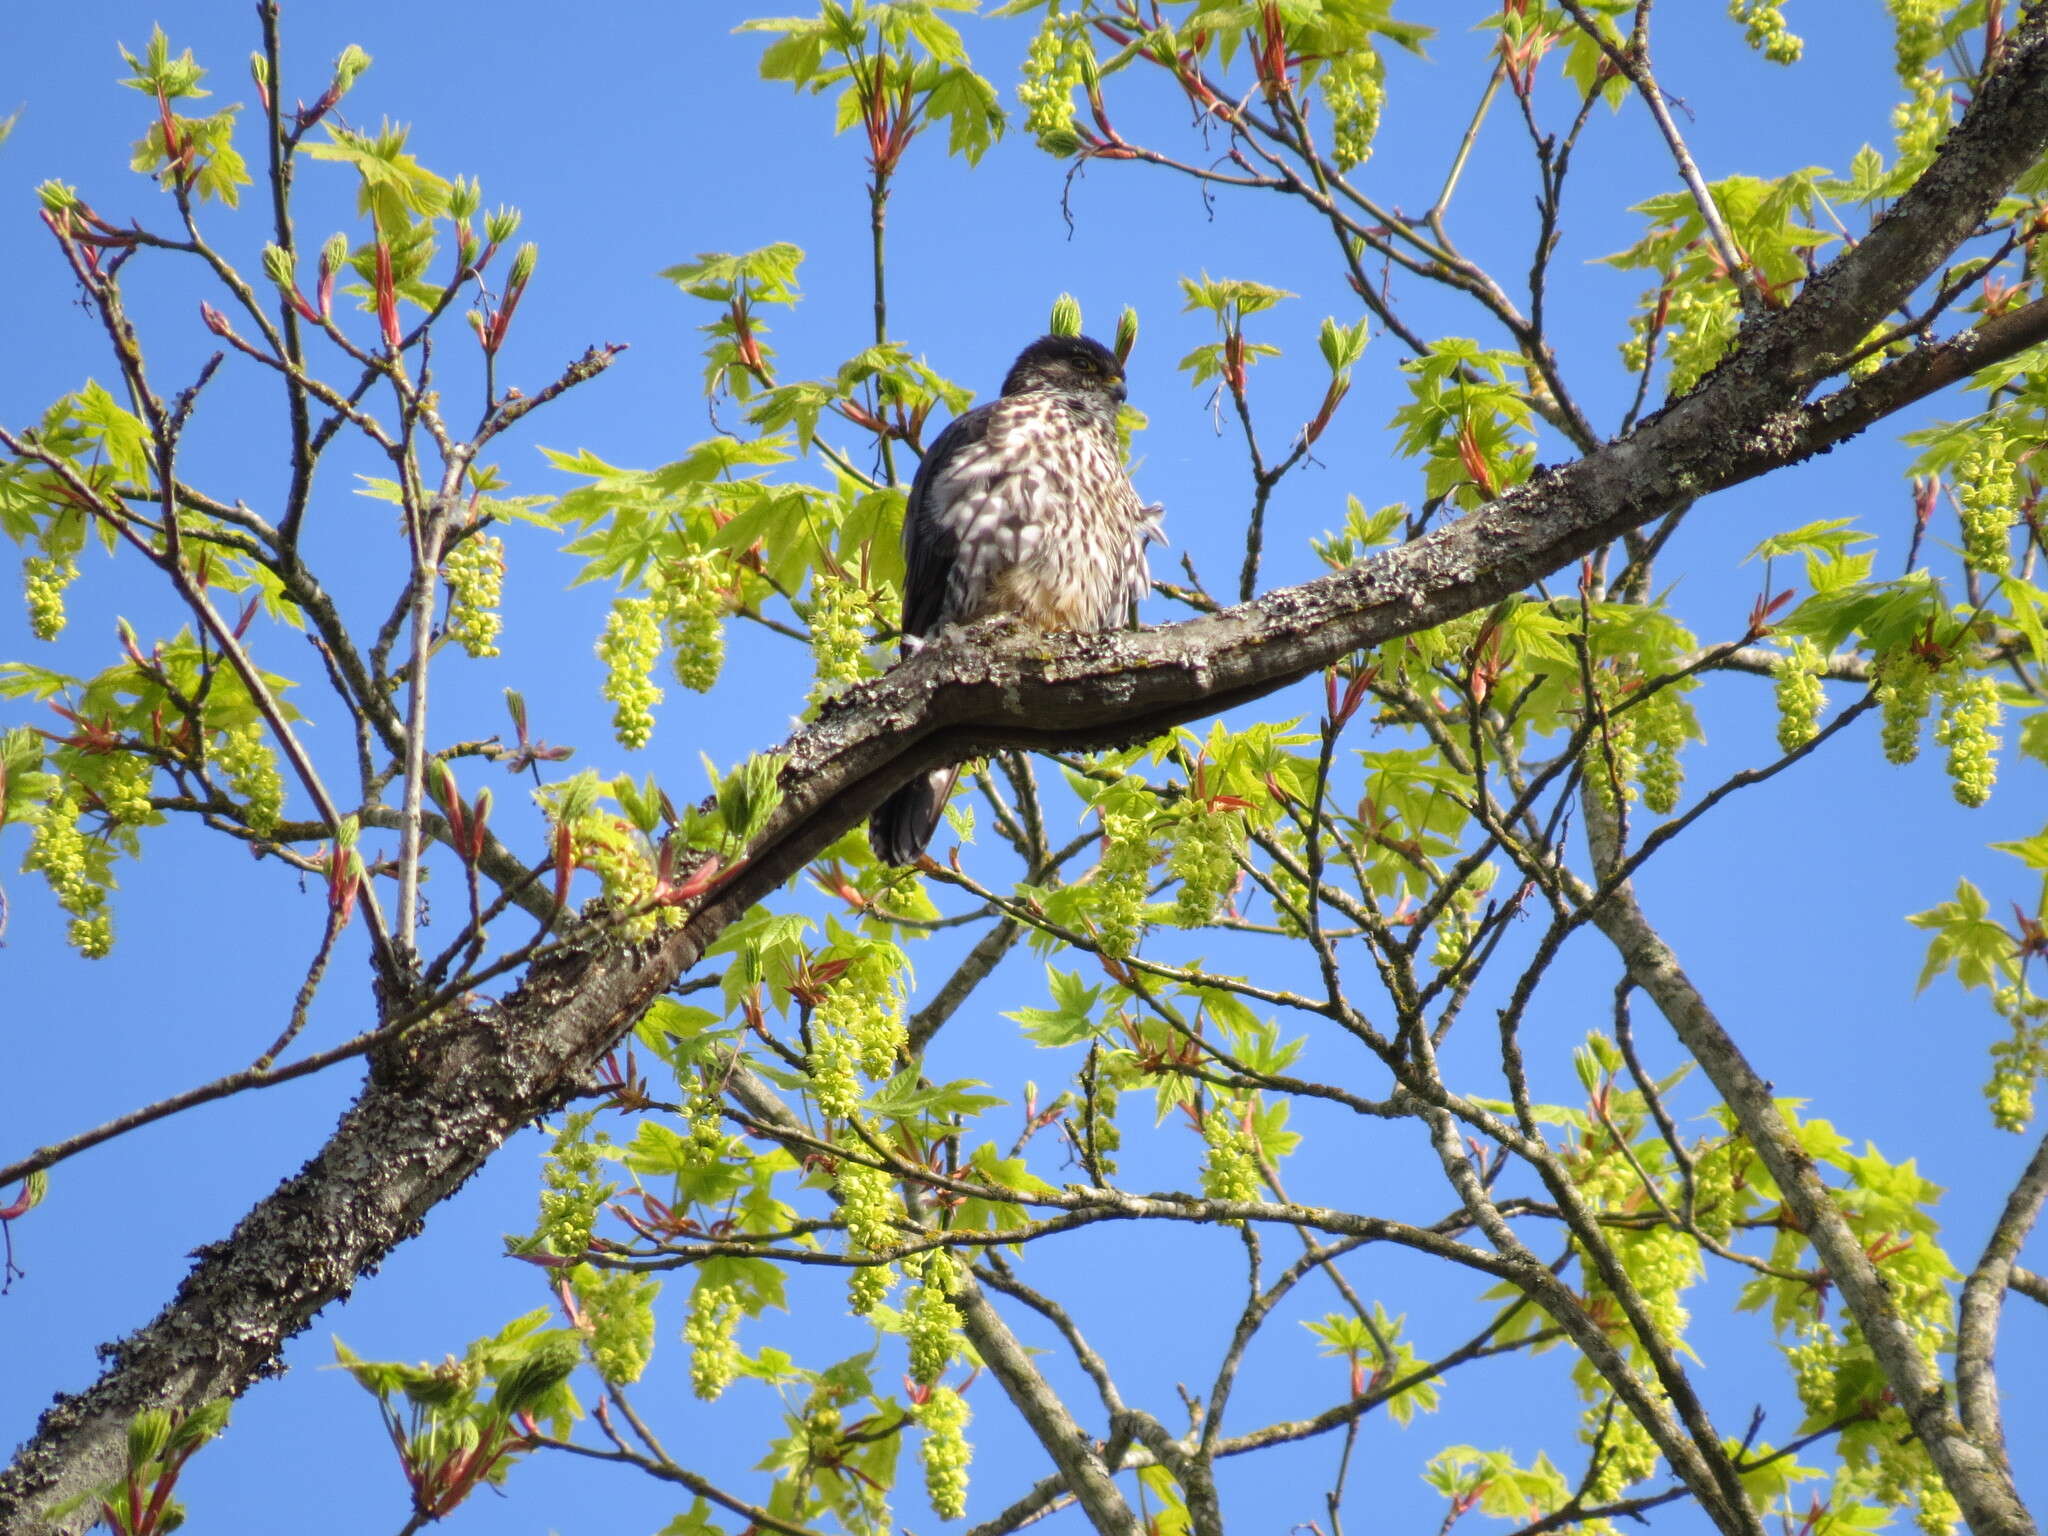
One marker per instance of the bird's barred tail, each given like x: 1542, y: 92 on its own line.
x: 905, y: 822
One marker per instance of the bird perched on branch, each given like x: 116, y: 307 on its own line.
x: 1021, y: 508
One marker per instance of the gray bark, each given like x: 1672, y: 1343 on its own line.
x: 1971, y: 1464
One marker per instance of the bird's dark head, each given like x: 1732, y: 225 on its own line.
x: 1072, y: 365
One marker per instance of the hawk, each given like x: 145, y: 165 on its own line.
x: 1021, y: 508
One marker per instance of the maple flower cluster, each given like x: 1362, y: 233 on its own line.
x: 629, y: 648
x: 44, y: 581
x: 245, y: 757
x: 475, y: 573
x: 694, y: 605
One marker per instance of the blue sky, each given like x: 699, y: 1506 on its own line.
x: 634, y: 137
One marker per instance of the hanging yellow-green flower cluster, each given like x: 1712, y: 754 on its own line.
x: 2017, y: 1061
x: 1290, y: 897
x: 1354, y: 89
x: 1206, y: 844
x: 1713, y: 1188
x: 245, y: 757
x: 1055, y: 66
x: 44, y: 580
x: 1915, y: 25
x: 125, y: 781
x: 929, y: 1317
x: 610, y: 849
x: 945, y: 1452
x: 1456, y: 924
x: 1813, y: 1363
x: 830, y: 1064
x: 1117, y: 892
x: 619, y: 1305
x: 866, y: 1005
x: 1628, y: 1454
x: 1895, y: 1469
x: 1100, y: 1137
x: 841, y: 613
x: 710, y: 1331
x: 1970, y: 716
x: 1662, y: 1262
x: 74, y: 867
x: 1663, y: 722
x: 475, y: 573
x: 1985, y: 490
x: 1905, y: 692
x: 703, y: 1123
x: 1231, y: 1169
x: 694, y: 605
x: 1699, y: 329
x: 866, y: 1287
x: 1799, y: 693
x: 629, y: 648
x: 1609, y: 759
x: 1922, y: 121
x: 572, y: 1190
x: 1763, y: 23
x: 867, y: 1204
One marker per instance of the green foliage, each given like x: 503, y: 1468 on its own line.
x: 1469, y: 425
x: 1494, y: 1483
x: 1216, y: 910
x: 1231, y: 301
x: 1985, y: 955
x: 898, y: 66
x: 193, y: 153
x: 1693, y: 312
x: 463, y: 1423
x: 159, y: 1443
x: 396, y: 191
x: 1380, y: 1359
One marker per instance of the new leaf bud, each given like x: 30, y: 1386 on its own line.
x: 349, y: 67
x: 1126, y: 334
x: 334, y: 254
x: 522, y: 1387
x: 277, y: 266
x: 501, y: 224
x: 465, y: 197
x: 200, y: 1425
x: 1342, y: 345
x: 1066, y: 316
x: 522, y: 266
x: 148, y: 1433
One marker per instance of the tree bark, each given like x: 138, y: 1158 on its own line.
x: 439, y: 1102
x: 1972, y: 1464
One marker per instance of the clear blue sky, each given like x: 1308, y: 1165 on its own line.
x: 634, y: 137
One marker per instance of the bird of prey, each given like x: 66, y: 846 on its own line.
x: 1022, y: 509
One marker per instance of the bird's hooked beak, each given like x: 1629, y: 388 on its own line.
x: 1118, y: 393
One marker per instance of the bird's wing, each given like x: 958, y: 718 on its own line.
x: 931, y: 530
